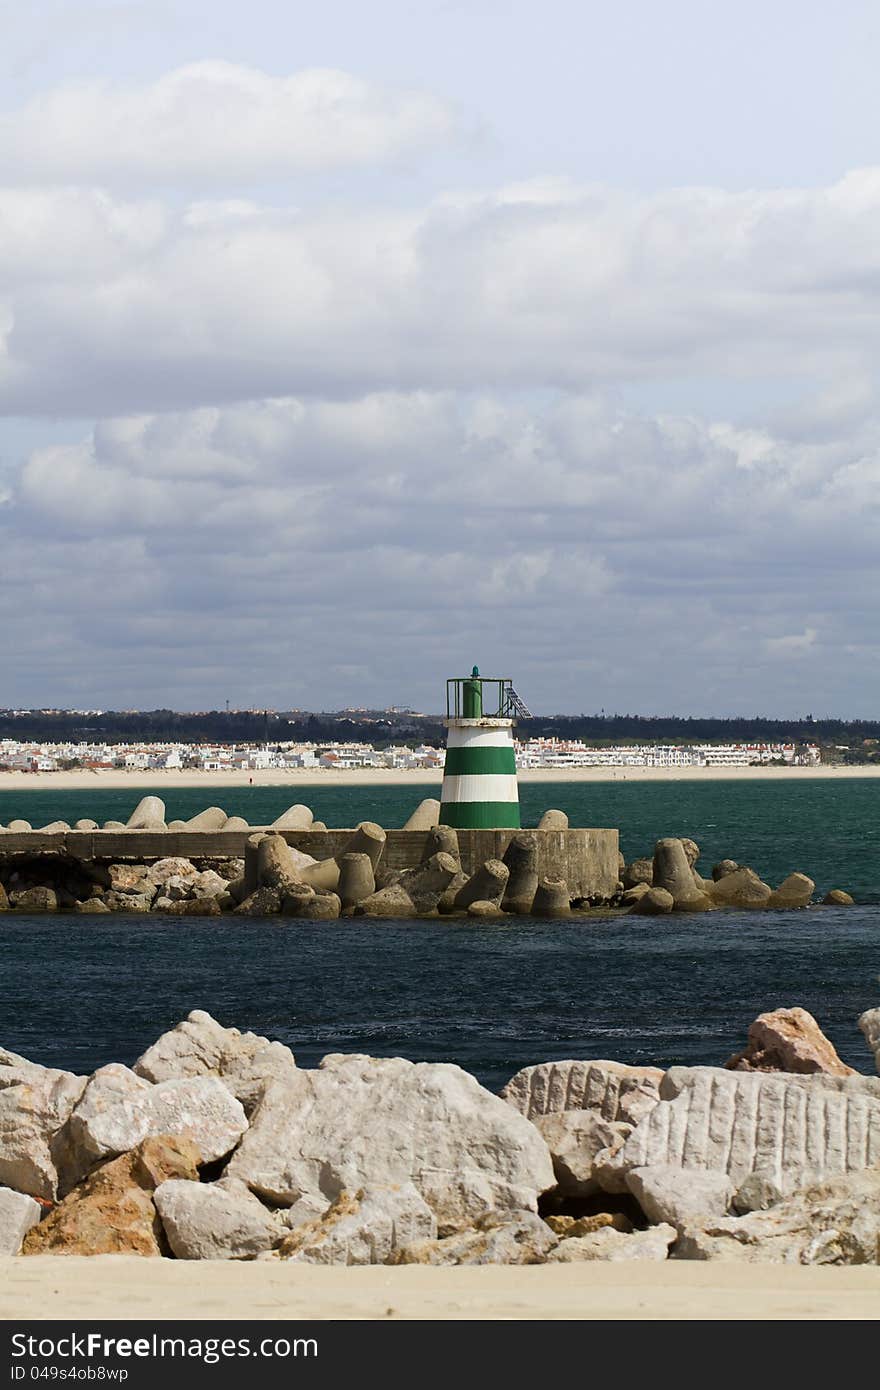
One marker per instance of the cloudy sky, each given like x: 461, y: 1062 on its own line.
x: 344, y: 345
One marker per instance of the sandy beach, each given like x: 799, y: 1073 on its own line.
x: 78, y: 780
x: 118, y: 1286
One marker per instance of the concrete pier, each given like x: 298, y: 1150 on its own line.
x: 586, y: 859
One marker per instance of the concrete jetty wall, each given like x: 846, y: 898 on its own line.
x: 586, y: 859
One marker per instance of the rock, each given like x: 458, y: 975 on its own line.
x: 35, y: 900
x: 149, y: 814
x: 200, y: 1107
x: 85, y: 825
x: 722, y: 869
x: 756, y: 1193
x: 654, y: 903
x: 356, y: 880
x: 4, y: 901
x: 425, y: 816
x: 680, y: 1196
x: 790, y: 1128
x: 192, y: 907
x: 207, y: 884
x: 486, y: 885
x: 573, y: 1226
x: 112, y: 1213
x: 204, y: 1221
x: 795, y: 891
x: 361, y: 1122
x: 236, y: 823
x: 113, y: 825
x: 574, y: 1138
x: 631, y: 896
x: 691, y: 850
x: 295, y: 894
x: 639, y: 871
x: 73, y: 1150
x: 214, y: 818
x: 553, y: 820
x: 552, y: 898
x: 479, y: 909
x: 55, y: 827
x: 18, y: 1213
x: 294, y: 818
x: 741, y: 888
x: 521, y: 860
x: 166, y: 871
x: 200, y: 1046
x: 35, y: 1102
x: 363, y: 1228
x: 509, y: 1238
x: 612, y: 1090
x: 19, y: 827
x: 320, y: 907
x: 265, y: 902
x: 92, y: 906
x: 127, y: 902
x: 788, y: 1040
x: 836, y: 1222
x: 869, y: 1023
x: 612, y: 1245
x: 673, y: 872
x: 836, y: 897
x: 127, y: 878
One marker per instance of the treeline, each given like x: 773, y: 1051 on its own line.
x: 218, y: 726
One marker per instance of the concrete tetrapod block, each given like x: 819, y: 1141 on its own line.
x: 252, y: 861
x: 278, y: 863
x: 369, y: 839
x: 294, y: 818
x: 236, y: 823
x: 19, y: 827
x: 673, y: 872
x: 425, y: 816
x: 85, y: 825
x: 356, y: 879
x: 149, y: 814
x: 441, y: 839
x: 553, y: 820
x: 521, y: 858
x: 486, y: 885
x: 213, y: 818
x: 551, y: 898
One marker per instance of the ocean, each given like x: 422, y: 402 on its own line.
x: 76, y: 992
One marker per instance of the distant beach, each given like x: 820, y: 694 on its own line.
x: 116, y: 778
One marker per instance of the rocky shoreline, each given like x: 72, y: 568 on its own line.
x: 274, y: 877
x: 215, y: 1145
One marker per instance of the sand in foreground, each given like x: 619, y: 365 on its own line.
x: 119, y: 1286
x: 157, y: 779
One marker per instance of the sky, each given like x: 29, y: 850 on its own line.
x: 344, y: 346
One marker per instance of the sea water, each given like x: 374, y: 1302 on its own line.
x: 76, y: 992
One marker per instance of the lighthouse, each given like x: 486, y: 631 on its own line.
x: 479, y: 776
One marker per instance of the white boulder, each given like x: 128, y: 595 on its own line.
x: 200, y: 1046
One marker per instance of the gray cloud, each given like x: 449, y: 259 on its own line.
x: 309, y: 552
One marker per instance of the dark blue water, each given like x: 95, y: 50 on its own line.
x: 77, y: 992
x: 827, y: 829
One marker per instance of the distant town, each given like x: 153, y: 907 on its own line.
x: 16, y: 756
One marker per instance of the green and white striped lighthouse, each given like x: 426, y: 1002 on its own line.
x: 480, y: 790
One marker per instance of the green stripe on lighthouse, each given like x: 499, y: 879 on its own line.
x: 474, y: 761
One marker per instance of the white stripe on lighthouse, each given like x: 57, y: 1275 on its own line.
x: 478, y: 738
x: 487, y: 786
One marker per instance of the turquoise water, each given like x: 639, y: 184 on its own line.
x: 827, y: 829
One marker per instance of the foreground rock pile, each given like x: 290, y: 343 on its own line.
x: 216, y: 1145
